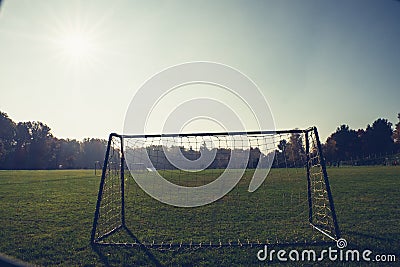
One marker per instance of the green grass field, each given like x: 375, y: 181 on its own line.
x: 46, y: 219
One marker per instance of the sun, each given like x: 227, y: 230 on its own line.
x: 78, y: 39
x: 76, y: 45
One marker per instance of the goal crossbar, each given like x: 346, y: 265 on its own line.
x: 210, y: 133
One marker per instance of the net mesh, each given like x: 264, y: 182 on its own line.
x: 292, y: 205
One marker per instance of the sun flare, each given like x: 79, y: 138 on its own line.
x: 78, y: 39
x: 76, y: 45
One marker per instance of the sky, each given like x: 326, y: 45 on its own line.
x: 76, y: 65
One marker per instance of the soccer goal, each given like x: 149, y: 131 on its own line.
x: 195, y: 190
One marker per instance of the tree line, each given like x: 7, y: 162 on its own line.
x: 165, y: 158
x: 378, y: 143
x: 31, y: 145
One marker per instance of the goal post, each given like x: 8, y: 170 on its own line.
x: 170, y: 191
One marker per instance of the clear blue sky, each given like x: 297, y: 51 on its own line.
x: 75, y: 65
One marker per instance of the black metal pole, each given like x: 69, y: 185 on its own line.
x: 122, y: 183
x: 103, y: 176
x: 310, y: 211
x: 328, y: 188
x: 214, y: 133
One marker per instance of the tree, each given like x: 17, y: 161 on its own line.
x: 67, y: 154
x: 41, y: 138
x: 7, y: 140
x: 280, y: 154
x: 92, y: 150
x: 3, y: 152
x: 282, y: 145
x: 22, y: 146
x: 396, y: 134
x: 294, y: 150
x: 378, y: 138
x: 33, y: 145
x: 329, y: 149
x: 254, y: 157
x: 343, y: 144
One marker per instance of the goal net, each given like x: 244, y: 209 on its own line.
x: 196, y: 190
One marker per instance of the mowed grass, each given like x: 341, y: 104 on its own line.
x: 277, y: 212
x: 46, y: 216
x: 46, y: 219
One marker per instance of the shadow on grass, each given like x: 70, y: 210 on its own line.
x: 376, y: 243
